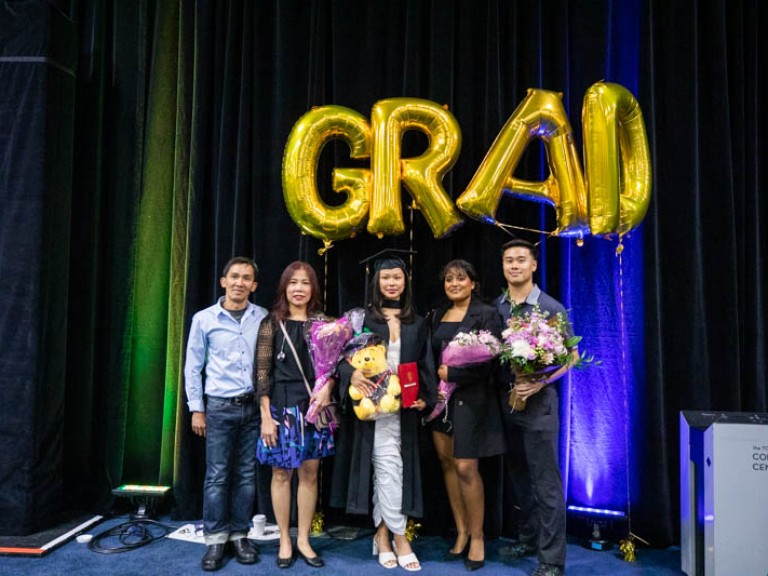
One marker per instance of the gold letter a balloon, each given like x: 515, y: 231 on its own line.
x: 540, y: 116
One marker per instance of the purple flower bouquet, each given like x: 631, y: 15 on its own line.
x: 466, y: 349
x: 326, y: 339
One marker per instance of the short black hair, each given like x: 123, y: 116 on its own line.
x: 520, y: 243
x: 461, y: 265
x: 241, y: 260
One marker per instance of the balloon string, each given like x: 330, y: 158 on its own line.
x: 327, y: 245
x: 325, y: 277
x: 624, y: 382
x: 506, y: 227
x: 619, y: 254
x: 410, y: 237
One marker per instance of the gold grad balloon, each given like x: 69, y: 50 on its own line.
x: 423, y: 175
x: 302, y: 152
x: 540, y: 115
x: 616, y: 159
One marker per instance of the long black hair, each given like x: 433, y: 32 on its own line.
x: 407, y: 309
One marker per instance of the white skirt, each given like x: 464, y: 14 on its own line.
x: 388, y: 475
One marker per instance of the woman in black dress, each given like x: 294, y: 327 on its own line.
x: 470, y: 427
x: 288, y: 441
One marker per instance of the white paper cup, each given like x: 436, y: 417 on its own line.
x: 259, y: 523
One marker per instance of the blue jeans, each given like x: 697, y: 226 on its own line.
x: 232, y: 431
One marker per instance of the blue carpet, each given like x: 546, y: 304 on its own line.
x: 169, y: 557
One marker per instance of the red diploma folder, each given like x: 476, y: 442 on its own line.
x: 409, y: 383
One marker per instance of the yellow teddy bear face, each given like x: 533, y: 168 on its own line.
x: 370, y: 359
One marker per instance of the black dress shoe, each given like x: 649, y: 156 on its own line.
x: 472, y: 565
x: 519, y: 549
x: 245, y: 552
x: 315, y: 561
x: 214, y: 557
x: 285, y: 562
x: 549, y: 570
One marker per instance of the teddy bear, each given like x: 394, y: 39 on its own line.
x: 368, y: 353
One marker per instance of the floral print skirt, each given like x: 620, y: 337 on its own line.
x: 297, y: 441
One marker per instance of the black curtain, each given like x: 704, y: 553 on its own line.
x: 703, y: 82
x: 244, y: 72
x: 37, y: 75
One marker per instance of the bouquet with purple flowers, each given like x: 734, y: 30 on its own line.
x: 326, y: 339
x: 536, y: 344
x: 466, y: 349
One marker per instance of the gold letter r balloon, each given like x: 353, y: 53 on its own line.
x: 422, y: 175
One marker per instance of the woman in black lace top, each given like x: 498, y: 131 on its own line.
x: 288, y: 441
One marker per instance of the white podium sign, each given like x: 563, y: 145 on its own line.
x: 736, y: 500
x: 724, y: 493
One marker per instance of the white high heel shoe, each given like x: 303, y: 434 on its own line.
x: 386, y: 558
x: 407, y: 559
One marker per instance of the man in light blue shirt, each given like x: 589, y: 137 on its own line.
x: 221, y: 346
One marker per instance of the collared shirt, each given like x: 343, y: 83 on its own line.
x: 504, y: 305
x: 545, y: 302
x: 224, y: 348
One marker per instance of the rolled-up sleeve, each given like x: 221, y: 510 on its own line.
x: 193, y: 367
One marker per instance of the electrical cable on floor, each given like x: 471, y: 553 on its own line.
x: 131, y: 535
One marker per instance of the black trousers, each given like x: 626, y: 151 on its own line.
x: 532, y: 462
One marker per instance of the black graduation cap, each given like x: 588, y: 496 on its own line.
x: 385, y: 260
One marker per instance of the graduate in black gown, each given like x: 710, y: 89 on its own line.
x: 377, y: 462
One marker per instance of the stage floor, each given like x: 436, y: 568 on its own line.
x: 171, y: 557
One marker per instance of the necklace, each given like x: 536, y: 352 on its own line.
x: 281, y: 354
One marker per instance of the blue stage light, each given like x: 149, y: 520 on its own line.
x: 596, y: 511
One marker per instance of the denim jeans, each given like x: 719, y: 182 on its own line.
x: 232, y: 431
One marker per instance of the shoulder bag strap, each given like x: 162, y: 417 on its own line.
x: 295, y: 355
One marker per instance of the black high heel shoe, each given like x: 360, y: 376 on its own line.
x: 315, y: 561
x: 452, y: 556
x: 472, y: 565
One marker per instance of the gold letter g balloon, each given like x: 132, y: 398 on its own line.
x: 306, y: 141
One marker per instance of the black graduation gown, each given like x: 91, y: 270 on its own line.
x: 353, y: 471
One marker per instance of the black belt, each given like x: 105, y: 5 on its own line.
x: 247, y: 398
